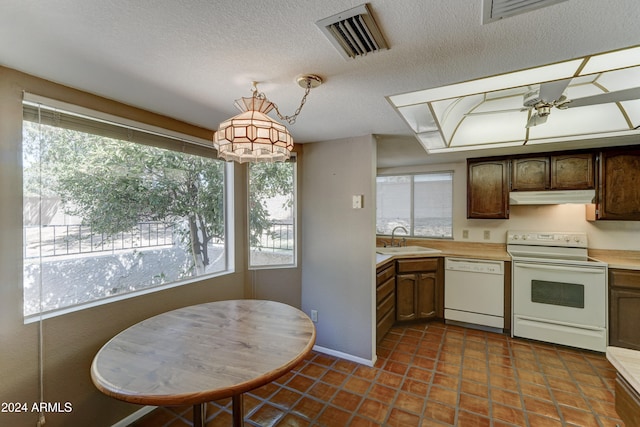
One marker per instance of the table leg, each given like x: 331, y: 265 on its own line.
x: 199, y: 414
x: 237, y: 410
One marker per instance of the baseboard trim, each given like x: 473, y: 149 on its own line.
x: 134, y: 417
x: 346, y: 356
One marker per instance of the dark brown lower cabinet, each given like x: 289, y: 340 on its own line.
x: 624, y: 308
x: 419, y: 289
x: 416, y: 296
x: 627, y: 402
x: 385, y: 299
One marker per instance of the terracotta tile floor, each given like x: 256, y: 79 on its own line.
x: 431, y: 375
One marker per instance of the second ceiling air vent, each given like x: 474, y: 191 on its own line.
x: 494, y: 10
x: 353, y: 32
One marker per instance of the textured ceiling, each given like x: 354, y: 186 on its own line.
x: 190, y: 59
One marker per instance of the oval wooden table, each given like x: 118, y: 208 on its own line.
x: 204, y: 352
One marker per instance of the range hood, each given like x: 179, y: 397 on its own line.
x: 552, y: 197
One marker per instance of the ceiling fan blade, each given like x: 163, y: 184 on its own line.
x: 536, y: 120
x: 604, y: 98
x: 552, y: 91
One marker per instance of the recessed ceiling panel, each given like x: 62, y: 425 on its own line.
x: 490, y: 129
x: 514, y: 106
x: 419, y: 118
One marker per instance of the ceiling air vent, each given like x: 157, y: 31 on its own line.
x: 353, y: 32
x: 494, y: 10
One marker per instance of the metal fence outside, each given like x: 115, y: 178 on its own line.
x: 60, y: 240
x: 279, y: 236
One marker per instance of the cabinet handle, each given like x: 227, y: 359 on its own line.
x: 590, y: 270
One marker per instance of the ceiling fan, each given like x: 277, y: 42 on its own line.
x: 551, y: 94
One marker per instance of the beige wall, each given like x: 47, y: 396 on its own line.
x: 71, y: 340
x: 338, y: 273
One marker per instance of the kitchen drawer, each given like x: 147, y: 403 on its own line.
x: 384, y: 324
x: 418, y: 264
x: 385, y: 289
x: 385, y: 306
x: 382, y: 276
x: 624, y: 278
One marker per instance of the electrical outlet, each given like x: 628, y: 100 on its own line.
x: 487, y: 234
x: 465, y: 234
x: 314, y: 315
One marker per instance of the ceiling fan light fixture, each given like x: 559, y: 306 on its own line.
x: 543, y: 110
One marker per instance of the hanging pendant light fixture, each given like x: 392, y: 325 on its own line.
x: 252, y: 136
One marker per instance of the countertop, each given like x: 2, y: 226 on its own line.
x: 629, y: 260
x: 473, y: 250
x: 627, y: 363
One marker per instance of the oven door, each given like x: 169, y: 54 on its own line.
x: 570, y: 294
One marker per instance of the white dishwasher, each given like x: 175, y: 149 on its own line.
x: 474, y: 292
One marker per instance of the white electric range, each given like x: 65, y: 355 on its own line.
x: 559, y: 293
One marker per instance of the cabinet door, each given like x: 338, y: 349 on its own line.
x: 488, y: 189
x: 530, y: 174
x: 572, y: 172
x: 619, y: 195
x: 426, y: 295
x: 405, y: 297
x: 624, y: 308
x: 624, y: 314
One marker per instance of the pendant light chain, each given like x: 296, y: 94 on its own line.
x: 289, y: 119
x: 292, y: 119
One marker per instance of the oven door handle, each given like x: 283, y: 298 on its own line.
x: 591, y: 270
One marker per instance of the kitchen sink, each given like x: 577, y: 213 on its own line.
x: 407, y: 250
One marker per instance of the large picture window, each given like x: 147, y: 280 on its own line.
x: 272, y: 214
x: 421, y: 203
x: 111, y: 210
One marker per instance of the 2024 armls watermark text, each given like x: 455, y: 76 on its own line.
x: 45, y: 407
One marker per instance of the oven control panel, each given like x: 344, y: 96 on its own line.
x: 551, y: 238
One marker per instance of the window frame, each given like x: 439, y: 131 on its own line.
x: 166, y: 139
x: 293, y: 160
x: 412, y: 213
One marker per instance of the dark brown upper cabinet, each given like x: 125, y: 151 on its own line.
x: 619, y: 187
x: 553, y: 172
x: 530, y: 174
x: 573, y: 171
x: 488, y: 188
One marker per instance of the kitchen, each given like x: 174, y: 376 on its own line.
x: 332, y: 170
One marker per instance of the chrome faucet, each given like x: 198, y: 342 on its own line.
x: 393, y: 232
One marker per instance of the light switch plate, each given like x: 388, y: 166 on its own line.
x: 357, y: 201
